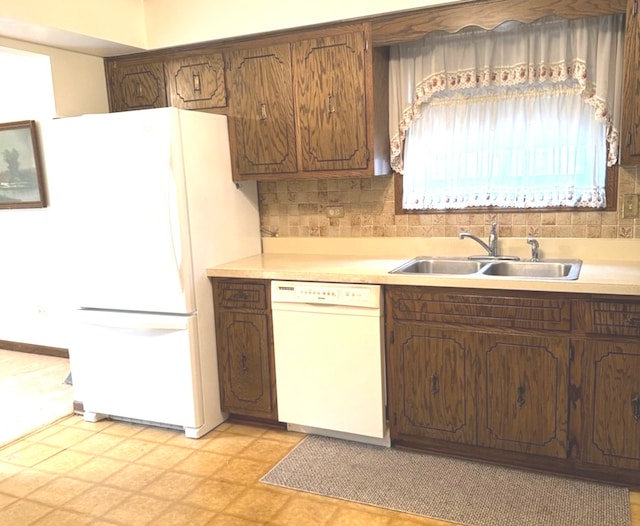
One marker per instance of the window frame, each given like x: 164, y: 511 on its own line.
x: 611, y: 189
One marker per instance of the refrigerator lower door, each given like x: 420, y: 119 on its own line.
x: 139, y: 366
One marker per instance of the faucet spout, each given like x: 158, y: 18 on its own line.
x: 492, y: 247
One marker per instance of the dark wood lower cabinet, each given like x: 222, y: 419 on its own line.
x: 611, y: 402
x: 245, y: 348
x: 522, y: 393
x: 432, y: 384
x: 535, y: 380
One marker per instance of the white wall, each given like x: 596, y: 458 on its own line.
x: 33, y: 305
x: 119, y: 21
x: 169, y: 23
x: 87, y: 25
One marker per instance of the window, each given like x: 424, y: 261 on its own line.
x: 520, y: 117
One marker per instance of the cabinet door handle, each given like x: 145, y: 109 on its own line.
x: 244, y: 359
x: 196, y: 81
x: 330, y: 105
x: 262, y: 113
x: 521, y: 399
x: 635, y: 405
x: 240, y: 296
x: 139, y: 89
x: 635, y: 322
x: 435, y: 384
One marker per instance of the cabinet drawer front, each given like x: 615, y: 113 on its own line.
x: 242, y: 296
x: 474, y: 309
x: 615, y: 318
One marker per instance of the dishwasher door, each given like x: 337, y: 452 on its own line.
x: 329, y: 358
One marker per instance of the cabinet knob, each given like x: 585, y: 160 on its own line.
x: 330, y: 104
x: 435, y: 384
x: 521, y: 398
x: 635, y: 406
x: 196, y: 81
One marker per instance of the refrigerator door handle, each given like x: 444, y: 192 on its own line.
x: 174, y: 220
x: 134, y: 320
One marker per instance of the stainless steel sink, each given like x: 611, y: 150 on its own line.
x: 561, y: 269
x: 438, y: 265
x: 547, y: 269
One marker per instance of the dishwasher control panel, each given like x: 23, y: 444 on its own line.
x: 329, y: 293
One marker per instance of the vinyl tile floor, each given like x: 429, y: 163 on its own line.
x: 33, y: 392
x: 74, y: 472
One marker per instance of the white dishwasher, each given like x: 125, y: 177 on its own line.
x: 329, y: 358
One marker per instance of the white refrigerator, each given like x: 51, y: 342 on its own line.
x: 147, y: 203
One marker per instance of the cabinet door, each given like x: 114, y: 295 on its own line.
x: 244, y: 365
x: 136, y: 86
x: 431, y: 384
x: 197, y: 82
x: 630, y: 137
x: 523, y: 393
x: 261, y: 120
x: 611, y: 398
x: 331, y: 102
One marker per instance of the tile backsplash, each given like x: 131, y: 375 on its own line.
x: 297, y: 208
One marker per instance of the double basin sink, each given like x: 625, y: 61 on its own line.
x: 558, y: 269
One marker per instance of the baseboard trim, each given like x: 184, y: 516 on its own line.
x: 58, y: 352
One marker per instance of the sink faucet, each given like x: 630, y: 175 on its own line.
x: 535, y: 246
x: 492, y: 247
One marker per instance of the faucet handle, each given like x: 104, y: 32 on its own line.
x: 535, y: 255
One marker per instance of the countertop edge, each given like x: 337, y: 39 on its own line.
x: 598, y: 277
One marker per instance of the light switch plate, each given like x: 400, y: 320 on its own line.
x: 630, y: 206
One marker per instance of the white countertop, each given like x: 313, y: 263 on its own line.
x: 618, y: 275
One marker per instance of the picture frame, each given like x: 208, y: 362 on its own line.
x: 21, y: 178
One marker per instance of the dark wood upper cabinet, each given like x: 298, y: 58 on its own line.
x: 630, y: 136
x: 303, y: 106
x: 135, y: 86
x: 196, y: 82
x: 330, y: 77
x: 261, y: 120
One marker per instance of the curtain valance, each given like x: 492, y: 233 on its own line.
x: 586, y: 53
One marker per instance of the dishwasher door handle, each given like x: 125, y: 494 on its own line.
x: 326, y: 308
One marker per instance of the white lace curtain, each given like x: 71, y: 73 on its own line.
x: 500, y: 90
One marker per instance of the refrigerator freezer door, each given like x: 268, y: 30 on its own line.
x: 141, y: 367
x: 127, y: 212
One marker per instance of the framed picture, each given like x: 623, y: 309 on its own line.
x: 21, y: 180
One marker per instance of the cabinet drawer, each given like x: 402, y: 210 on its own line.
x: 477, y: 309
x: 239, y: 295
x: 618, y: 318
